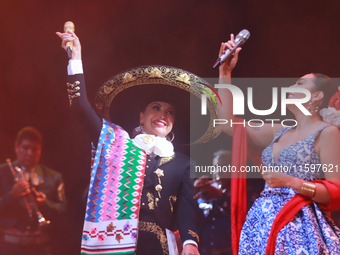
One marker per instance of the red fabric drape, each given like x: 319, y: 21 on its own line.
x: 238, y: 199
x: 285, y: 215
x: 295, y: 204
x: 334, y: 191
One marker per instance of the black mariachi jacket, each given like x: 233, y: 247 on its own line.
x: 173, y: 204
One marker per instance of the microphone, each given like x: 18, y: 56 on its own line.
x: 69, y: 26
x: 240, y: 39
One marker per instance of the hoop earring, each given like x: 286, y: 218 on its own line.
x: 310, y: 110
x: 173, y: 137
x: 140, y: 128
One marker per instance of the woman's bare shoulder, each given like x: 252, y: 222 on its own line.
x: 330, y: 132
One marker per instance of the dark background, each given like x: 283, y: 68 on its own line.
x: 288, y: 39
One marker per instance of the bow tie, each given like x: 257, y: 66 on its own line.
x: 154, y: 145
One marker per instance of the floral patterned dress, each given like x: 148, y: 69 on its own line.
x: 311, y: 231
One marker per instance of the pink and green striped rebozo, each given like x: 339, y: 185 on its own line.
x: 113, y: 203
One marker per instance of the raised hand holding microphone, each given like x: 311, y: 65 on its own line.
x: 230, y: 63
x: 69, y: 45
x: 241, y: 38
x: 70, y: 42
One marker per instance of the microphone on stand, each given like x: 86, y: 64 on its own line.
x: 240, y: 39
x: 69, y: 25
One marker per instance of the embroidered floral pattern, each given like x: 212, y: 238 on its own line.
x: 119, y: 237
x: 134, y: 236
x: 194, y: 234
x: 157, y: 230
x: 166, y: 159
x: 101, y: 237
x: 110, y: 227
x: 310, y: 232
x: 109, y: 232
x: 151, y: 203
x: 127, y: 226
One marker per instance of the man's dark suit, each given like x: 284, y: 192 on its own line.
x: 13, y: 213
x: 175, y: 205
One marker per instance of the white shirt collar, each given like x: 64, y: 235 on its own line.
x: 154, y: 145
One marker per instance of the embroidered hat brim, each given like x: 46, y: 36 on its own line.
x: 122, y: 97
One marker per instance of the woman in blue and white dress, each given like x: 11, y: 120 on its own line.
x: 300, y: 149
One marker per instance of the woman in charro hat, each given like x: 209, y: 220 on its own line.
x: 290, y: 216
x: 140, y: 188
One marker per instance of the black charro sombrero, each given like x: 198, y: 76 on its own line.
x: 122, y: 97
